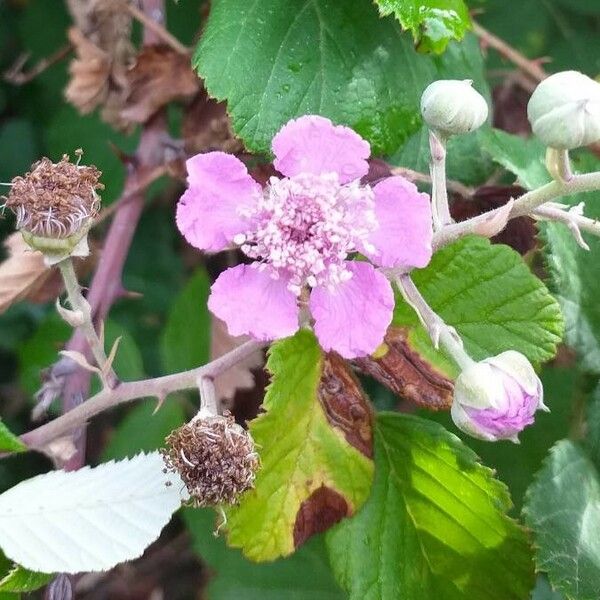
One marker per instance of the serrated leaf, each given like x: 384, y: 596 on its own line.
x: 337, y: 58
x: 435, y: 525
x: 22, y: 580
x: 562, y: 508
x: 433, y: 23
x: 9, y: 442
x: 88, y: 520
x: 303, y: 575
x: 523, y: 157
x: 186, y: 337
x: 487, y: 292
x: 575, y: 276
x: 304, y: 458
x: 543, y: 591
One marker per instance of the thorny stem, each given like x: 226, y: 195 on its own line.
x: 439, y: 194
x: 81, y: 305
x: 532, y: 68
x: 158, y: 30
x: 106, y: 284
x: 159, y: 387
x: 527, y: 204
x: 440, y: 333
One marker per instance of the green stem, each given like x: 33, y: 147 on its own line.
x: 439, y: 332
x: 80, y: 304
x: 439, y: 193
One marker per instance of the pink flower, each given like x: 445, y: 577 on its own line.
x: 497, y: 398
x: 300, y: 230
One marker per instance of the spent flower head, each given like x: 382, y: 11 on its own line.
x: 497, y: 398
x: 301, y: 231
x: 55, y: 204
x: 215, y: 458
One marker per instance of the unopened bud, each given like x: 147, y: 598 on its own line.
x: 55, y: 204
x: 495, y: 399
x: 452, y: 106
x: 215, y: 458
x: 564, y: 110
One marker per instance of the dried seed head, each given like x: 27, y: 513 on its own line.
x: 55, y: 203
x: 214, y: 457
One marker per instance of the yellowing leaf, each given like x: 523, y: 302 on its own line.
x: 312, y: 471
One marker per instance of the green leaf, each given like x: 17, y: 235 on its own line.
x: 20, y: 579
x: 435, y: 524
x: 563, y: 509
x: 433, y: 23
x: 186, y: 338
x: 523, y: 157
x: 301, y: 454
x: 575, y: 278
x: 543, y: 591
x: 487, y: 292
x: 593, y: 426
x: 337, y: 58
x: 9, y: 442
x: 305, y: 574
x: 144, y: 430
x: 17, y: 148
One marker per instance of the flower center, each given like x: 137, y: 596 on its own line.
x: 305, y: 226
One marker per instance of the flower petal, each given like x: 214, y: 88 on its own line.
x: 252, y: 303
x: 313, y: 144
x: 405, y: 234
x: 352, y: 319
x: 208, y: 212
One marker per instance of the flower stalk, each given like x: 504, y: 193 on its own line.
x: 440, y: 333
x: 81, y: 306
x: 439, y: 192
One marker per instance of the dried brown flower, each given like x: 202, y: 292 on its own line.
x: 55, y: 200
x: 215, y: 458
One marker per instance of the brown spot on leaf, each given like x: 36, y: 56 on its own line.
x: 321, y: 510
x: 345, y: 403
x: 159, y: 76
x: 407, y: 373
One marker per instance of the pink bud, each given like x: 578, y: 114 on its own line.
x: 495, y: 399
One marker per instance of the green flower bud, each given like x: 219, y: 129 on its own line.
x: 452, y: 106
x: 564, y: 110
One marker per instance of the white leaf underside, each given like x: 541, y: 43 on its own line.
x: 91, y: 519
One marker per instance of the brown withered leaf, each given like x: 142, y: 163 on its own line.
x: 238, y: 377
x: 346, y: 405
x: 159, y: 76
x: 23, y: 274
x: 206, y: 126
x: 103, y: 54
x: 407, y: 373
x: 90, y: 72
